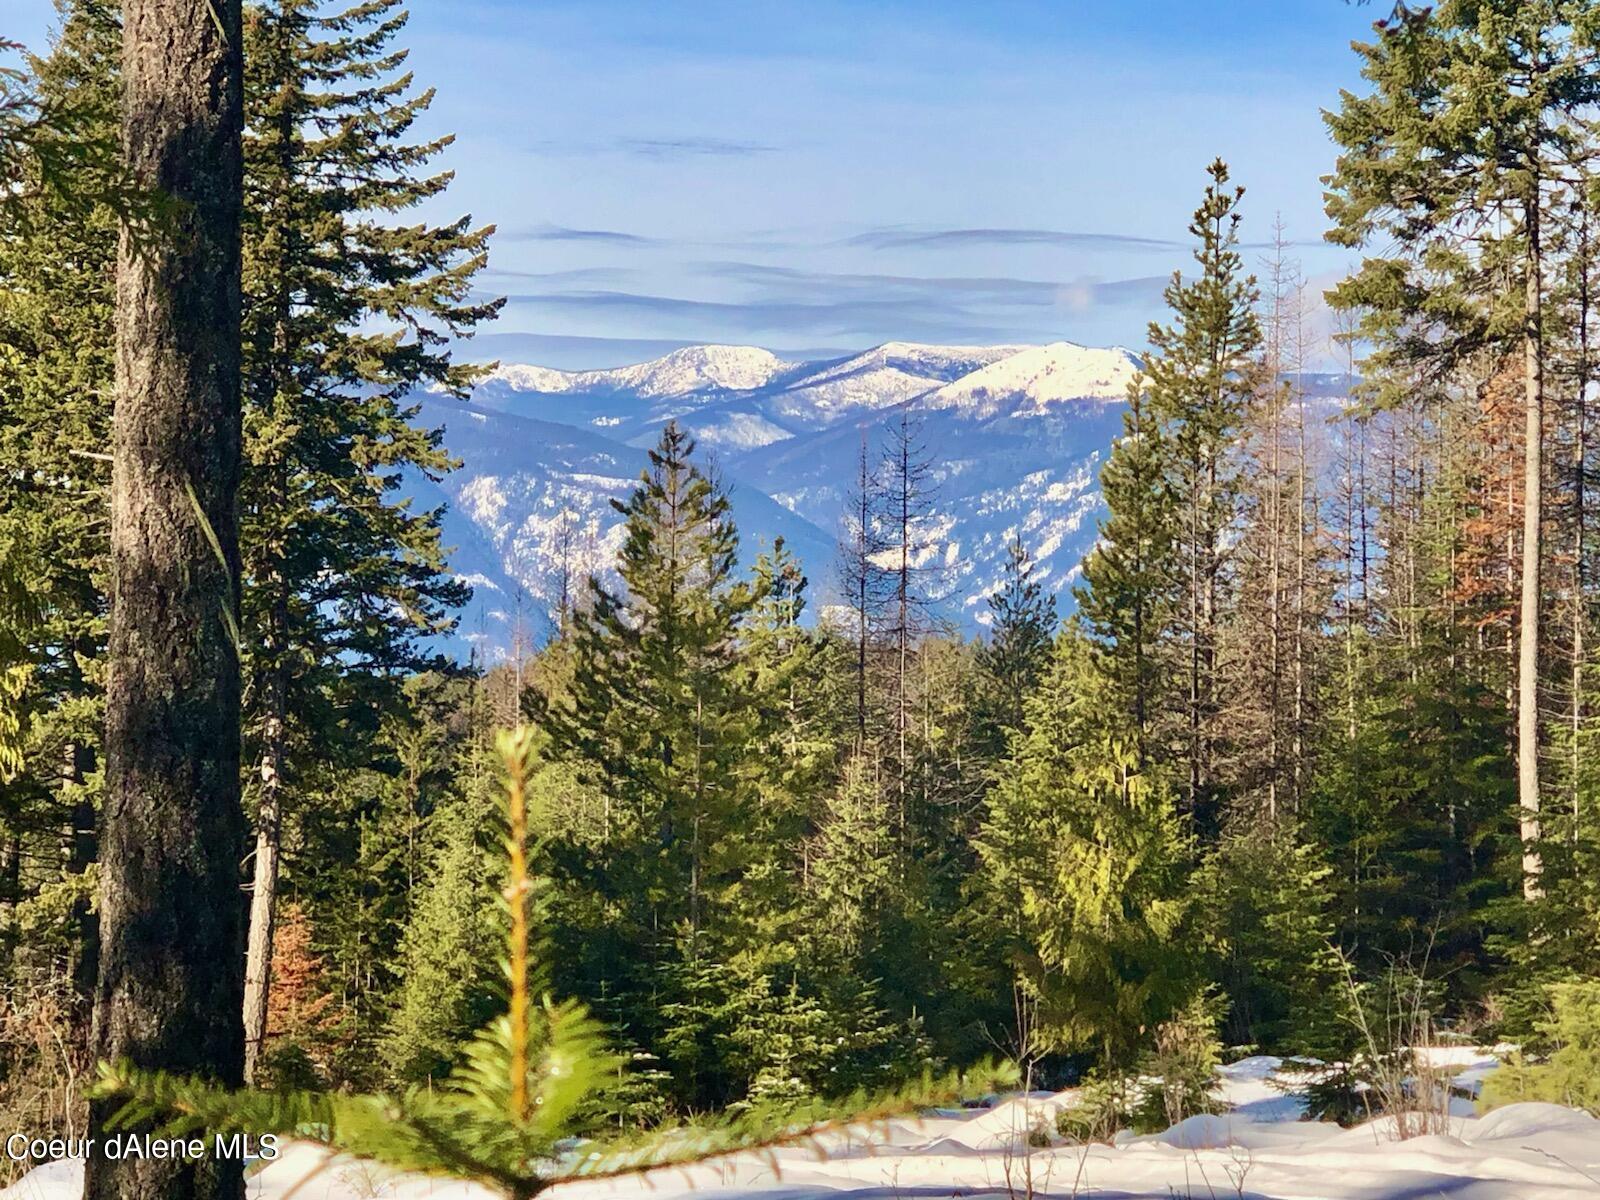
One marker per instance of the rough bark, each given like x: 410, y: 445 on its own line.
x: 170, y: 980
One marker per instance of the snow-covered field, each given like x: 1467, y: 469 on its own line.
x: 1260, y: 1150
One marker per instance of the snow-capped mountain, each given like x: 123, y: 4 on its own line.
x: 1014, y: 436
x: 622, y: 400
x: 530, y: 512
x: 694, y: 369
x: 1033, y: 381
x: 735, y: 397
x: 824, y: 394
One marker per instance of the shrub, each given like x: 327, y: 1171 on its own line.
x: 1380, y: 1068
x: 1102, y: 1111
x: 1571, y: 1074
x: 1180, y: 1071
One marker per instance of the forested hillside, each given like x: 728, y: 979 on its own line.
x: 1309, y: 769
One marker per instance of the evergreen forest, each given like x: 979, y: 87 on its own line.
x: 1313, y: 735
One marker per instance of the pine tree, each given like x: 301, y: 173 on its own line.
x: 908, y: 486
x: 852, y: 889
x: 57, y: 355
x: 305, y: 1026
x: 660, y: 720
x: 446, y: 989
x: 363, y: 844
x: 58, y: 148
x: 19, y: 119
x: 1572, y: 530
x: 1264, y: 644
x: 1022, y: 627
x: 925, y: 970
x: 345, y: 312
x: 1266, y: 897
x: 1128, y: 594
x: 852, y: 868
x: 795, y: 741
x: 1200, y: 369
x: 1458, y: 155
x: 1085, y: 857
x: 17, y: 618
x: 863, y: 584
x: 1411, y: 794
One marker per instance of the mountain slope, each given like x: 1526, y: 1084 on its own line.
x: 1015, y: 435
x: 536, y: 497
x: 620, y: 399
x: 1013, y: 455
x: 1032, y: 381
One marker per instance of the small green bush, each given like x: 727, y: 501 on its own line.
x: 1571, y: 1075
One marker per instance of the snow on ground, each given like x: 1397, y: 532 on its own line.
x: 1259, y: 1150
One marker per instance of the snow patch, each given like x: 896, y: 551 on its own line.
x: 693, y: 368
x: 1520, y: 1152
x: 1531, y: 1119
x: 1029, y: 382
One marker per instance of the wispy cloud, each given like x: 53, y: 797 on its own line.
x: 1077, y: 294
x: 844, y: 316
x: 666, y: 149
x: 798, y: 280
x: 891, y: 239
x: 692, y: 147
x: 562, y: 233
x: 803, y: 304
x: 577, y: 275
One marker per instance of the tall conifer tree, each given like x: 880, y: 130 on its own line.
x: 1088, y: 853
x: 660, y: 719
x: 1128, y: 594
x: 56, y: 382
x: 346, y: 310
x: 1200, y: 368
x: 1467, y: 141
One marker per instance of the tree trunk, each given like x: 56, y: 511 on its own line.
x: 1194, y: 639
x: 1350, y: 558
x: 1528, y: 641
x: 171, y: 965
x: 264, y: 886
x: 1306, y: 509
x: 76, y: 761
x: 1580, y: 529
x: 862, y: 583
x: 10, y: 892
x: 904, y: 639
x: 1274, y: 589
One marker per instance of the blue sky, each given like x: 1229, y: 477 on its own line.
x: 830, y: 175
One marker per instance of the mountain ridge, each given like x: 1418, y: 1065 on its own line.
x: 1014, y: 435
